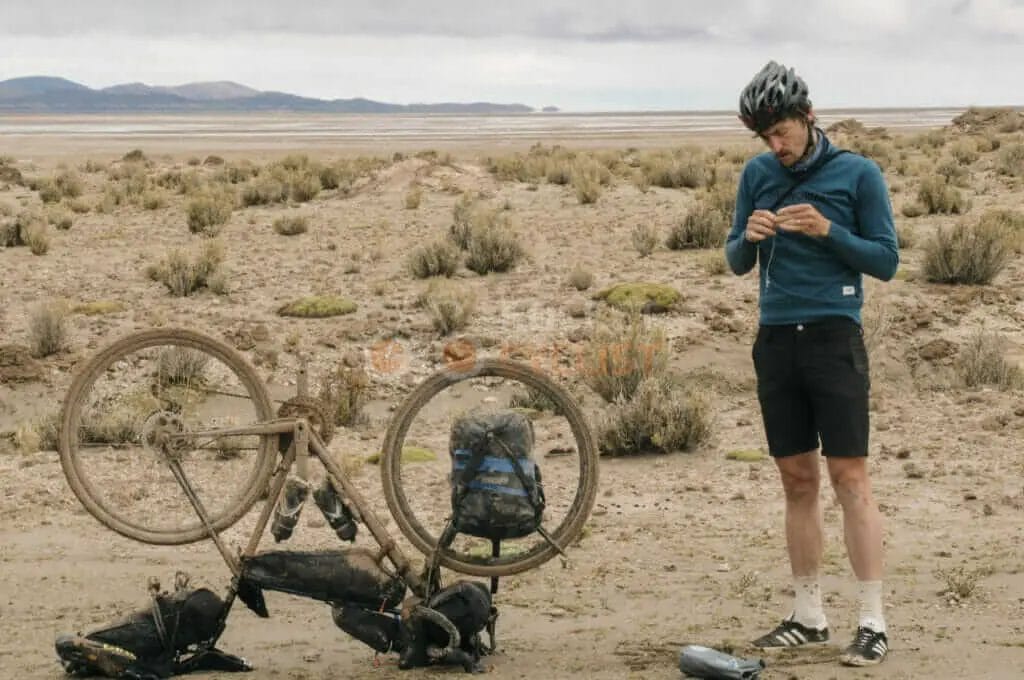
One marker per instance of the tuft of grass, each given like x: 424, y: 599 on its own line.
x: 181, y: 366
x: 581, y: 278
x: 208, y: 211
x: 413, y: 197
x: 645, y: 239
x: 714, y: 264
x: 47, y: 329
x: 1011, y: 160
x: 290, y: 225
x: 183, y: 276
x: 937, y: 196
x: 440, y: 258
x: 622, y: 353
x: 318, y: 307
x: 494, y: 245
x: 967, y: 253
x: 35, y: 233
x: 961, y: 582
x: 61, y: 219
x: 264, y: 191
x: 662, y: 416
x: 703, y: 227
x: 586, y: 182
x: 136, y: 156
x: 153, y: 200
x: 630, y: 296
x: 674, y: 170
x: 983, y: 362
x: 345, y: 392
x: 464, y: 216
x: 450, y: 307
x: 534, y: 400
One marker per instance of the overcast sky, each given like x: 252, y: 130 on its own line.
x: 579, y: 55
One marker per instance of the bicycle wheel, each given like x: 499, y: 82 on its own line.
x: 157, y: 386
x: 574, y: 511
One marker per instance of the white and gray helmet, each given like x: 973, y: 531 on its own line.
x: 774, y: 93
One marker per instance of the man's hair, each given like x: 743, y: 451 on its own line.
x: 774, y: 94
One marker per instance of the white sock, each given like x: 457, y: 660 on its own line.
x: 871, y: 616
x: 807, y: 609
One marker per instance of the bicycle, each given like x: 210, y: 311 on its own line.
x: 175, y: 400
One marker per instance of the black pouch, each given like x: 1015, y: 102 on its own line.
x: 380, y: 630
x: 351, y: 576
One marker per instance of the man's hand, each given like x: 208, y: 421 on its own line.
x: 802, y: 218
x: 760, y: 225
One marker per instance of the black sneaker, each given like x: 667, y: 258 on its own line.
x: 868, y: 648
x: 789, y: 633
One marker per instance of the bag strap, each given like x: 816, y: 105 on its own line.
x: 804, y: 177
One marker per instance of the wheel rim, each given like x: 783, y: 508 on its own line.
x: 132, y: 409
x: 569, y: 501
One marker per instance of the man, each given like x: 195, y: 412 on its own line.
x: 815, y: 219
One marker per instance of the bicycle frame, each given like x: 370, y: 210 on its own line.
x: 305, y: 442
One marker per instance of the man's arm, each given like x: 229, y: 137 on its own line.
x: 739, y: 252
x: 874, y: 251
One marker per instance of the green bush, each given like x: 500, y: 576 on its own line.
x: 494, y: 246
x: 209, y: 211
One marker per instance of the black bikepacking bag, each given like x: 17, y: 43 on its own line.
x: 468, y: 607
x: 349, y: 576
x: 496, y: 485
x: 154, y: 642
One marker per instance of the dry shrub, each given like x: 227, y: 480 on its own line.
x: 183, y: 276
x: 345, y: 392
x: 494, y: 245
x: 304, y: 186
x: 912, y: 209
x: 674, y: 170
x: 586, y: 181
x: 965, y: 151
x: 208, y: 211
x: 181, y: 366
x: 47, y: 329
x: 61, y: 219
x: 581, y: 278
x: 290, y: 225
x: 153, y: 200
x: 970, y: 253
x: 662, y: 416
x: 906, y: 237
x: 464, y: 216
x: 983, y: 362
x: 645, y: 239
x: 1011, y: 160
x: 264, y: 191
x: 135, y: 156
x: 622, y: 352
x: 413, y: 197
x: 36, y: 235
x: 440, y: 258
x: 535, y: 400
x: 714, y: 264
x: 237, y: 173
x: 703, y: 227
x: 450, y: 306
x: 937, y: 196
x: 78, y: 206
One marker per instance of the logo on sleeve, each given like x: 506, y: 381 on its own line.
x: 849, y: 290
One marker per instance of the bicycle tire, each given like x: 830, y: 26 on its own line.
x: 571, y: 526
x: 71, y: 414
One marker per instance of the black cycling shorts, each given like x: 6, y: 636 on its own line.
x: 813, y: 385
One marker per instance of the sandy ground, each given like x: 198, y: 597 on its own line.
x: 685, y: 547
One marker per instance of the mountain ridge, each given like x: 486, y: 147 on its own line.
x: 51, y: 94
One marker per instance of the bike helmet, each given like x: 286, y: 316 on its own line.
x: 775, y: 93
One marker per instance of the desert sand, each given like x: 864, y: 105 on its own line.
x: 681, y: 547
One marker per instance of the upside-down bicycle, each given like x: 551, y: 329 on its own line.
x: 169, y: 437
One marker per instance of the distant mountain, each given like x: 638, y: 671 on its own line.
x: 40, y: 94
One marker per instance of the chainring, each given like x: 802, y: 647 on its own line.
x: 313, y: 410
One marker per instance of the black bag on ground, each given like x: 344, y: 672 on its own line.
x: 467, y: 606
x: 496, y: 485
x: 174, y: 635
x: 350, y: 576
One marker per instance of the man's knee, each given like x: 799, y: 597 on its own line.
x: 849, y: 477
x: 801, y: 477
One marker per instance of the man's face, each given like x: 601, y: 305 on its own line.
x: 787, y: 139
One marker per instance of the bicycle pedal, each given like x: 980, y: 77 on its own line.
x: 286, y: 514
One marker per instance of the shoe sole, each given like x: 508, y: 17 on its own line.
x: 859, y: 662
